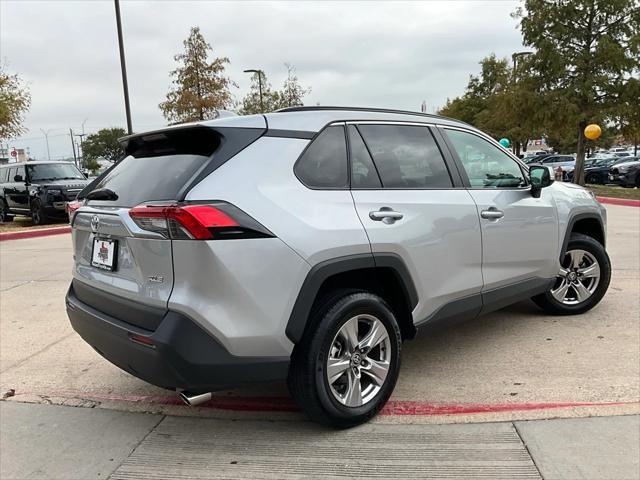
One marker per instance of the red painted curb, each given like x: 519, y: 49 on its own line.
x: 285, y: 404
x: 41, y: 232
x: 627, y: 202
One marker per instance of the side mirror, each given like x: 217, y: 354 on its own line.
x: 540, y: 178
x: 18, y: 178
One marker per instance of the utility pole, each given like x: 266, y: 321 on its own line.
x: 514, y: 58
x: 259, y: 73
x: 123, y: 68
x: 81, y: 148
x: 46, y: 137
x: 73, y: 146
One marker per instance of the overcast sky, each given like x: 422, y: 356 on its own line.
x: 378, y: 54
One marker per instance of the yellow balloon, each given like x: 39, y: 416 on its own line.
x: 593, y: 131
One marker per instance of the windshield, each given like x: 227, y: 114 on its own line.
x: 54, y: 171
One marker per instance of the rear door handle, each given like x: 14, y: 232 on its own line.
x: 386, y: 215
x: 492, y: 213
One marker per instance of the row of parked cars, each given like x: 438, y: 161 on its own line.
x: 618, y: 168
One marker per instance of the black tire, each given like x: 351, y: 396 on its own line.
x: 593, y: 179
x: 638, y: 180
x: 38, y: 217
x: 308, y: 382
x: 5, y: 216
x: 551, y: 305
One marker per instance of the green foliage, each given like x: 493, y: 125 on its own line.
x: 15, y: 100
x: 499, y: 103
x: 586, y: 52
x: 291, y: 94
x: 102, y: 145
x: 200, y: 87
x: 90, y: 164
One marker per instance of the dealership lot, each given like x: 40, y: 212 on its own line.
x: 513, y: 364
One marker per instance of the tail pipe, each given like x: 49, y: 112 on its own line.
x: 193, y: 399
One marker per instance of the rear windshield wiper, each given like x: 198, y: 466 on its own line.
x: 102, y: 194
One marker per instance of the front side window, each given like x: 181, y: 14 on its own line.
x: 324, y: 163
x: 406, y: 156
x: 485, y: 164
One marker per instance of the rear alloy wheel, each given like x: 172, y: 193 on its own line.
x: 345, y: 368
x: 582, y: 281
x: 38, y: 217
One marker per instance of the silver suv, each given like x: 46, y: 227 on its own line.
x: 309, y: 243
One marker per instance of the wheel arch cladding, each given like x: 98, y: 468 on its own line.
x: 588, y: 224
x: 384, y: 274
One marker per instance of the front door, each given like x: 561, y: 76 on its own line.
x: 407, y: 202
x: 519, y: 232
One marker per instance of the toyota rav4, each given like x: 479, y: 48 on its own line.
x: 308, y: 244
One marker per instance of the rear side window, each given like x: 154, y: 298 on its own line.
x: 363, y: 171
x: 406, y: 156
x: 324, y: 162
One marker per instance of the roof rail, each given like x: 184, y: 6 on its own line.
x: 357, y: 109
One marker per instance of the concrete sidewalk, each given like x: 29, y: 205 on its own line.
x: 45, y: 441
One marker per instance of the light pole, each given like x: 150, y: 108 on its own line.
x: 123, y: 68
x: 46, y: 137
x: 514, y: 58
x: 260, y: 73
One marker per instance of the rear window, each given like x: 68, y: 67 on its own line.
x: 138, y: 180
x: 158, y: 166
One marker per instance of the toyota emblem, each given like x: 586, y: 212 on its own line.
x: 95, y: 223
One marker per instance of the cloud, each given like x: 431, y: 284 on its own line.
x: 383, y: 54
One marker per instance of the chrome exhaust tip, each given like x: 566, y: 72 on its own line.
x: 193, y: 399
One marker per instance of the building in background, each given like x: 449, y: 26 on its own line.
x: 12, y: 154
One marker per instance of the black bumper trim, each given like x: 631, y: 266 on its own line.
x: 183, y: 355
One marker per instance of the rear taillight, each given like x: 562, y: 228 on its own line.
x: 71, y: 208
x: 214, y: 221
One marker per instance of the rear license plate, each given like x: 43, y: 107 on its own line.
x: 104, y: 254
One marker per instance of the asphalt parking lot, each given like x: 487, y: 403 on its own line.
x: 514, y: 364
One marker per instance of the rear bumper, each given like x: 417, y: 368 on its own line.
x: 183, y: 356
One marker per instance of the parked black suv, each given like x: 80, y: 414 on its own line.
x: 38, y: 189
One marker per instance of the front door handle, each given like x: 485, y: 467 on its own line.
x: 386, y: 215
x: 492, y: 213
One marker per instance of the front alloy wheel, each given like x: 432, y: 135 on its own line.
x: 582, y: 281
x: 579, y: 278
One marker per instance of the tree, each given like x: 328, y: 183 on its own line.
x: 585, y: 53
x: 629, y: 118
x: 498, y: 102
x: 15, y: 100
x: 251, y: 103
x: 291, y: 94
x: 200, y: 87
x: 102, y: 145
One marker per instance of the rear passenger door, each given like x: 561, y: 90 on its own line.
x: 16, y: 192
x: 411, y: 205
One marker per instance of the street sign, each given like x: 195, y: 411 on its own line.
x: 14, y: 153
